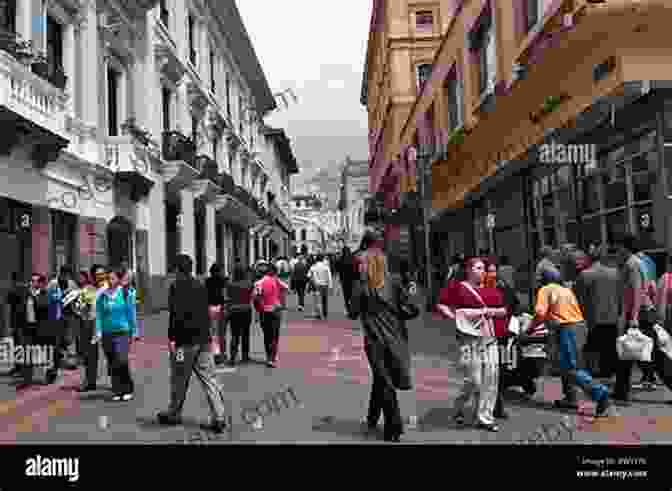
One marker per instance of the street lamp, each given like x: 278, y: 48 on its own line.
x: 424, y: 171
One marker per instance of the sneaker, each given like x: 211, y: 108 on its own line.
x: 127, y: 397
x: 116, y: 398
x: 602, y: 408
x: 300, y: 308
x: 565, y: 404
x: 168, y: 419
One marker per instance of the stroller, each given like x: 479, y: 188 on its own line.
x: 525, y: 356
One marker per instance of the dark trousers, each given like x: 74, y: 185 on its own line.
x: 601, y: 345
x: 501, y: 383
x: 346, y: 284
x: 270, y: 325
x: 90, y: 353
x: 116, y: 349
x: 26, y: 336
x: 383, y: 401
x: 52, y: 334
x: 300, y: 287
x: 240, y: 332
x: 323, y: 292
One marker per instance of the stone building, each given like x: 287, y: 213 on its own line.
x: 353, y: 200
x: 133, y: 131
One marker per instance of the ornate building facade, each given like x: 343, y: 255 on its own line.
x: 134, y: 132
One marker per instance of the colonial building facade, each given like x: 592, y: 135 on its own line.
x: 353, y: 200
x: 547, y: 122
x: 403, y: 39
x: 133, y: 131
x: 314, y: 224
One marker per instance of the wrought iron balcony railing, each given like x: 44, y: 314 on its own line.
x: 176, y: 146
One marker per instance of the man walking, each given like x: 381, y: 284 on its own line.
x: 320, y: 275
x: 638, y: 306
x: 189, y: 336
x: 598, y: 289
x: 299, y: 281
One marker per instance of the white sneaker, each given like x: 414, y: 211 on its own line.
x: 127, y: 397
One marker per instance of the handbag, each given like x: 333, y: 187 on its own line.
x: 482, y: 327
x: 634, y: 345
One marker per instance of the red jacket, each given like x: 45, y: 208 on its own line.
x: 457, y: 296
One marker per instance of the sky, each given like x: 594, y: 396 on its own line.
x: 316, y: 49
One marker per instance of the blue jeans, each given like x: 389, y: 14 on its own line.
x: 569, y: 361
x: 116, y: 349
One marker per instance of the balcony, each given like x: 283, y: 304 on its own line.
x: 165, y: 52
x: 206, y: 185
x: 179, y: 155
x: 32, y: 110
x: 237, y: 206
x: 129, y: 159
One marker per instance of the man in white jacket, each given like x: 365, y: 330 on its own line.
x: 320, y: 276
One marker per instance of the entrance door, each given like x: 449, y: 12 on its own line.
x: 120, y: 242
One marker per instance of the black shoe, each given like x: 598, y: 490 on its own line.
x: 218, y: 427
x: 51, y: 377
x: 501, y: 414
x: 622, y: 402
x: 566, y: 404
x: 493, y: 428
x: 393, y: 437
x: 220, y: 359
x: 168, y: 419
x: 87, y: 388
x: 458, y: 419
x: 602, y: 408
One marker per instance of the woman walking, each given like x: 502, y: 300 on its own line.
x: 239, y: 293
x: 116, y: 325
x: 269, y: 294
x: 216, y: 284
x: 467, y: 303
x: 375, y: 300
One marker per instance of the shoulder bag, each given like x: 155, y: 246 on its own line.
x: 482, y: 327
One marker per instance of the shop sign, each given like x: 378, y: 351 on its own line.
x: 645, y: 220
x: 25, y: 221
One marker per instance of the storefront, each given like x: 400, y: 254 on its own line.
x: 528, y: 204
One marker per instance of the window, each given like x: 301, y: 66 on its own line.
x: 165, y: 103
x: 241, y: 110
x: 484, y: 45
x: 8, y: 15
x: 424, y: 19
x: 54, y: 45
x: 192, y: 47
x: 228, y: 95
x: 293, y: 234
x: 424, y: 72
x: 213, y: 61
x: 164, y: 12
x: 534, y: 10
x: 304, y: 234
x: 113, y: 99
x: 454, y: 95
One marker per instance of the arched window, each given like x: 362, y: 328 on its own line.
x: 304, y: 234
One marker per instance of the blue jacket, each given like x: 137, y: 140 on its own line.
x: 55, y: 295
x: 115, y: 314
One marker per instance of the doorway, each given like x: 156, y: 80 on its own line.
x: 120, y: 242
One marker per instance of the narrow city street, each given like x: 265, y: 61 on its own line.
x: 323, y: 363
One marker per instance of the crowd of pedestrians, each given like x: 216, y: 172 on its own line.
x: 584, y: 303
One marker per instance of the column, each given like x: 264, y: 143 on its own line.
x: 91, y: 68
x: 226, y: 249
x: 187, y: 224
x: 252, y: 258
x: 41, y: 238
x: 70, y: 65
x: 210, y: 236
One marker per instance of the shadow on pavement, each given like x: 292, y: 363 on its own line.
x: 341, y: 427
x: 151, y: 423
x: 440, y: 418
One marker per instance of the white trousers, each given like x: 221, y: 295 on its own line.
x: 479, y: 363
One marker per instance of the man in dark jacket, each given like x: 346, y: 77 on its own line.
x: 300, y: 280
x: 598, y: 289
x: 189, y: 336
x: 35, y: 312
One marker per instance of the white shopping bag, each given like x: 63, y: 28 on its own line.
x: 634, y: 345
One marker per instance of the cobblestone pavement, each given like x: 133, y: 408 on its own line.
x: 323, y: 363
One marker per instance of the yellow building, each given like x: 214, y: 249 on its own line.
x: 547, y: 122
x: 403, y: 38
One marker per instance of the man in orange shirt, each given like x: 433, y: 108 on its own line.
x: 557, y: 307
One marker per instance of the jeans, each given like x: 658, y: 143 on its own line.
x: 270, y: 325
x: 240, y: 332
x: 568, y: 357
x: 602, y: 344
x: 117, y: 347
